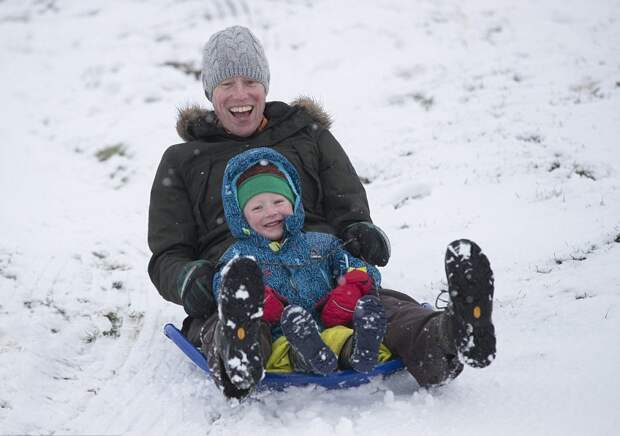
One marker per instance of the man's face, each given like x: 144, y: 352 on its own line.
x: 266, y: 212
x: 239, y: 104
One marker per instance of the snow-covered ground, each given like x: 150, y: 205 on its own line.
x: 493, y: 120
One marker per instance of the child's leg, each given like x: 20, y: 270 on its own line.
x: 308, y: 351
x: 369, y: 325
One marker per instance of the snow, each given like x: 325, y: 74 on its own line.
x: 463, y: 251
x: 242, y: 293
x: 492, y: 121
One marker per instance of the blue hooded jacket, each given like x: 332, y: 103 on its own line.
x: 304, y: 266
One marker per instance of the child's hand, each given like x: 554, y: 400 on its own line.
x: 339, y: 304
x: 273, y: 305
x: 360, y: 279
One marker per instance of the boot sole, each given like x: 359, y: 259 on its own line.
x: 303, y: 335
x: 471, y: 287
x: 240, y: 312
x: 369, y: 326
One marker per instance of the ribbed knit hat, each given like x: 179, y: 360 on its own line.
x: 232, y: 52
x: 262, y: 178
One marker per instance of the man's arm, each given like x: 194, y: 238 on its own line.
x: 172, y: 235
x: 344, y: 198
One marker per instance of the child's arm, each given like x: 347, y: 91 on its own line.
x: 217, y: 279
x: 355, y: 279
x: 273, y: 305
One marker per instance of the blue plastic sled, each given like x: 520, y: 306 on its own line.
x: 337, y: 380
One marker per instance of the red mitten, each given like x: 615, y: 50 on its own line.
x: 273, y: 305
x: 340, y: 304
x: 360, y: 279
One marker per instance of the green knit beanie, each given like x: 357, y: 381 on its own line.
x: 263, y: 182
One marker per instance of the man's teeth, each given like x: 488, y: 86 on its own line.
x: 241, y: 109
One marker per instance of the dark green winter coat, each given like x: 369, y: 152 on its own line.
x: 186, y: 216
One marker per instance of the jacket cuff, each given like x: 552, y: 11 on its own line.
x: 184, y: 278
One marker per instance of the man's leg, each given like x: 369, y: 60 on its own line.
x: 191, y: 329
x: 471, y: 287
x: 308, y: 352
x: 235, y: 340
x: 210, y: 350
x: 432, y: 344
x: 421, y: 338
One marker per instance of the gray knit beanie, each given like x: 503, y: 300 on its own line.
x: 231, y: 52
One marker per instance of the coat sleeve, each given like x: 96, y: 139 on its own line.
x: 172, y: 234
x: 344, y: 196
x: 217, y: 282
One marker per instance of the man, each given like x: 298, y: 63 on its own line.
x: 188, y: 233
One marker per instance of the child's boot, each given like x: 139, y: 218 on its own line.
x: 308, y: 351
x: 369, y: 325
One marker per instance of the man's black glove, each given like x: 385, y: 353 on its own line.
x: 368, y: 242
x: 194, y: 285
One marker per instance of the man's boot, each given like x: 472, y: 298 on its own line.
x: 308, y: 352
x: 237, y: 332
x: 470, y: 287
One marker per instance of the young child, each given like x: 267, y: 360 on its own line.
x: 309, y: 279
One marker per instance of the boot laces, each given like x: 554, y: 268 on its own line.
x: 443, y: 299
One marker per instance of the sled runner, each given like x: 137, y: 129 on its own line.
x: 338, y: 380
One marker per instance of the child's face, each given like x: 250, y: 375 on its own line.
x: 265, y: 213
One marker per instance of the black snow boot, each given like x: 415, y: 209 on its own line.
x: 361, y: 352
x: 470, y: 287
x: 308, y: 351
x: 237, y: 335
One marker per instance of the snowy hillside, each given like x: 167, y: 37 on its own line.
x: 498, y: 121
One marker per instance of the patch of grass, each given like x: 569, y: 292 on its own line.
x: 90, y: 336
x: 424, y: 101
x: 584, y: 172
x: 530, y: 137
x: 7, y: 275
x: 109, y: 151
x: 583, y: 296
x: 115, y: 266
x: 185, y: 67
x: 116, y: 322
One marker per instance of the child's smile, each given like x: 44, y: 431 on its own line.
x: 266, y: 212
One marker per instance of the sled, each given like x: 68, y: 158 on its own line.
x: 278, y: 381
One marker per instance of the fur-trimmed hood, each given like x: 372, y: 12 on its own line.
x: 195, y: 122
